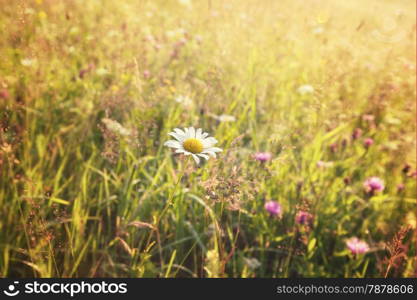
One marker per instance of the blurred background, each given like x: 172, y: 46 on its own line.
x: 90, y: 89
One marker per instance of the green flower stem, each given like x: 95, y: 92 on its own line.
x: 168, y: 204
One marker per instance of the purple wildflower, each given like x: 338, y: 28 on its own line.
x: 303, y: 218
x: 368, y: 142
x: 4, y: 94
x: 400, y: 187
x: 368, y: 118
x: 263, y: 156
x: 321, y: 164
x: 373, y: 184
x: 357, y: 246
x: 274, y: 208
x: 324, y: 164
x: 146, y: 74
x: 333, y: 147
x: 357, y: 133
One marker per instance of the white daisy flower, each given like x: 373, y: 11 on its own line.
x: 27, y: 62
x: 193, y: 142
x: 318, y: 30
x: 184, y: 100
x: 224, y: 118
x: 186, y: 3
x: 305, y: 89
x: 116, y: 127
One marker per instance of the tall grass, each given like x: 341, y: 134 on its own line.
x: 88, y: 92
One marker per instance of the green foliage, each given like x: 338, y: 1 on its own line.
x: 90, y: 89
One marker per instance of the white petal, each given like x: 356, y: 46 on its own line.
x: 204, y: 156
x: 209, y: 153
x: 209, y: 142
x: 172, y: 144
x: 206, y: 144
x: 179, y: 131
x: 186, y: 133
x: 204, y: 135
x: 192, y: 132
x: 197, y: 160
x: 198, y: 134
x: 176, y: 136
x: 212, y: 139
x: 213, y: 149
x: 180, y: 150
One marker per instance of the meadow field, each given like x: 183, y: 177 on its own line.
x: 312, y: 104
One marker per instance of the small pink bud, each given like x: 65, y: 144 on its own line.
x: 4, y: 94
x: 303, y: 218
x: 368, y: 142
x: 146, y: 74
x: 357, y: 133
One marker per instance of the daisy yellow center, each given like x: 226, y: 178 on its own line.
x: 193, y: 145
